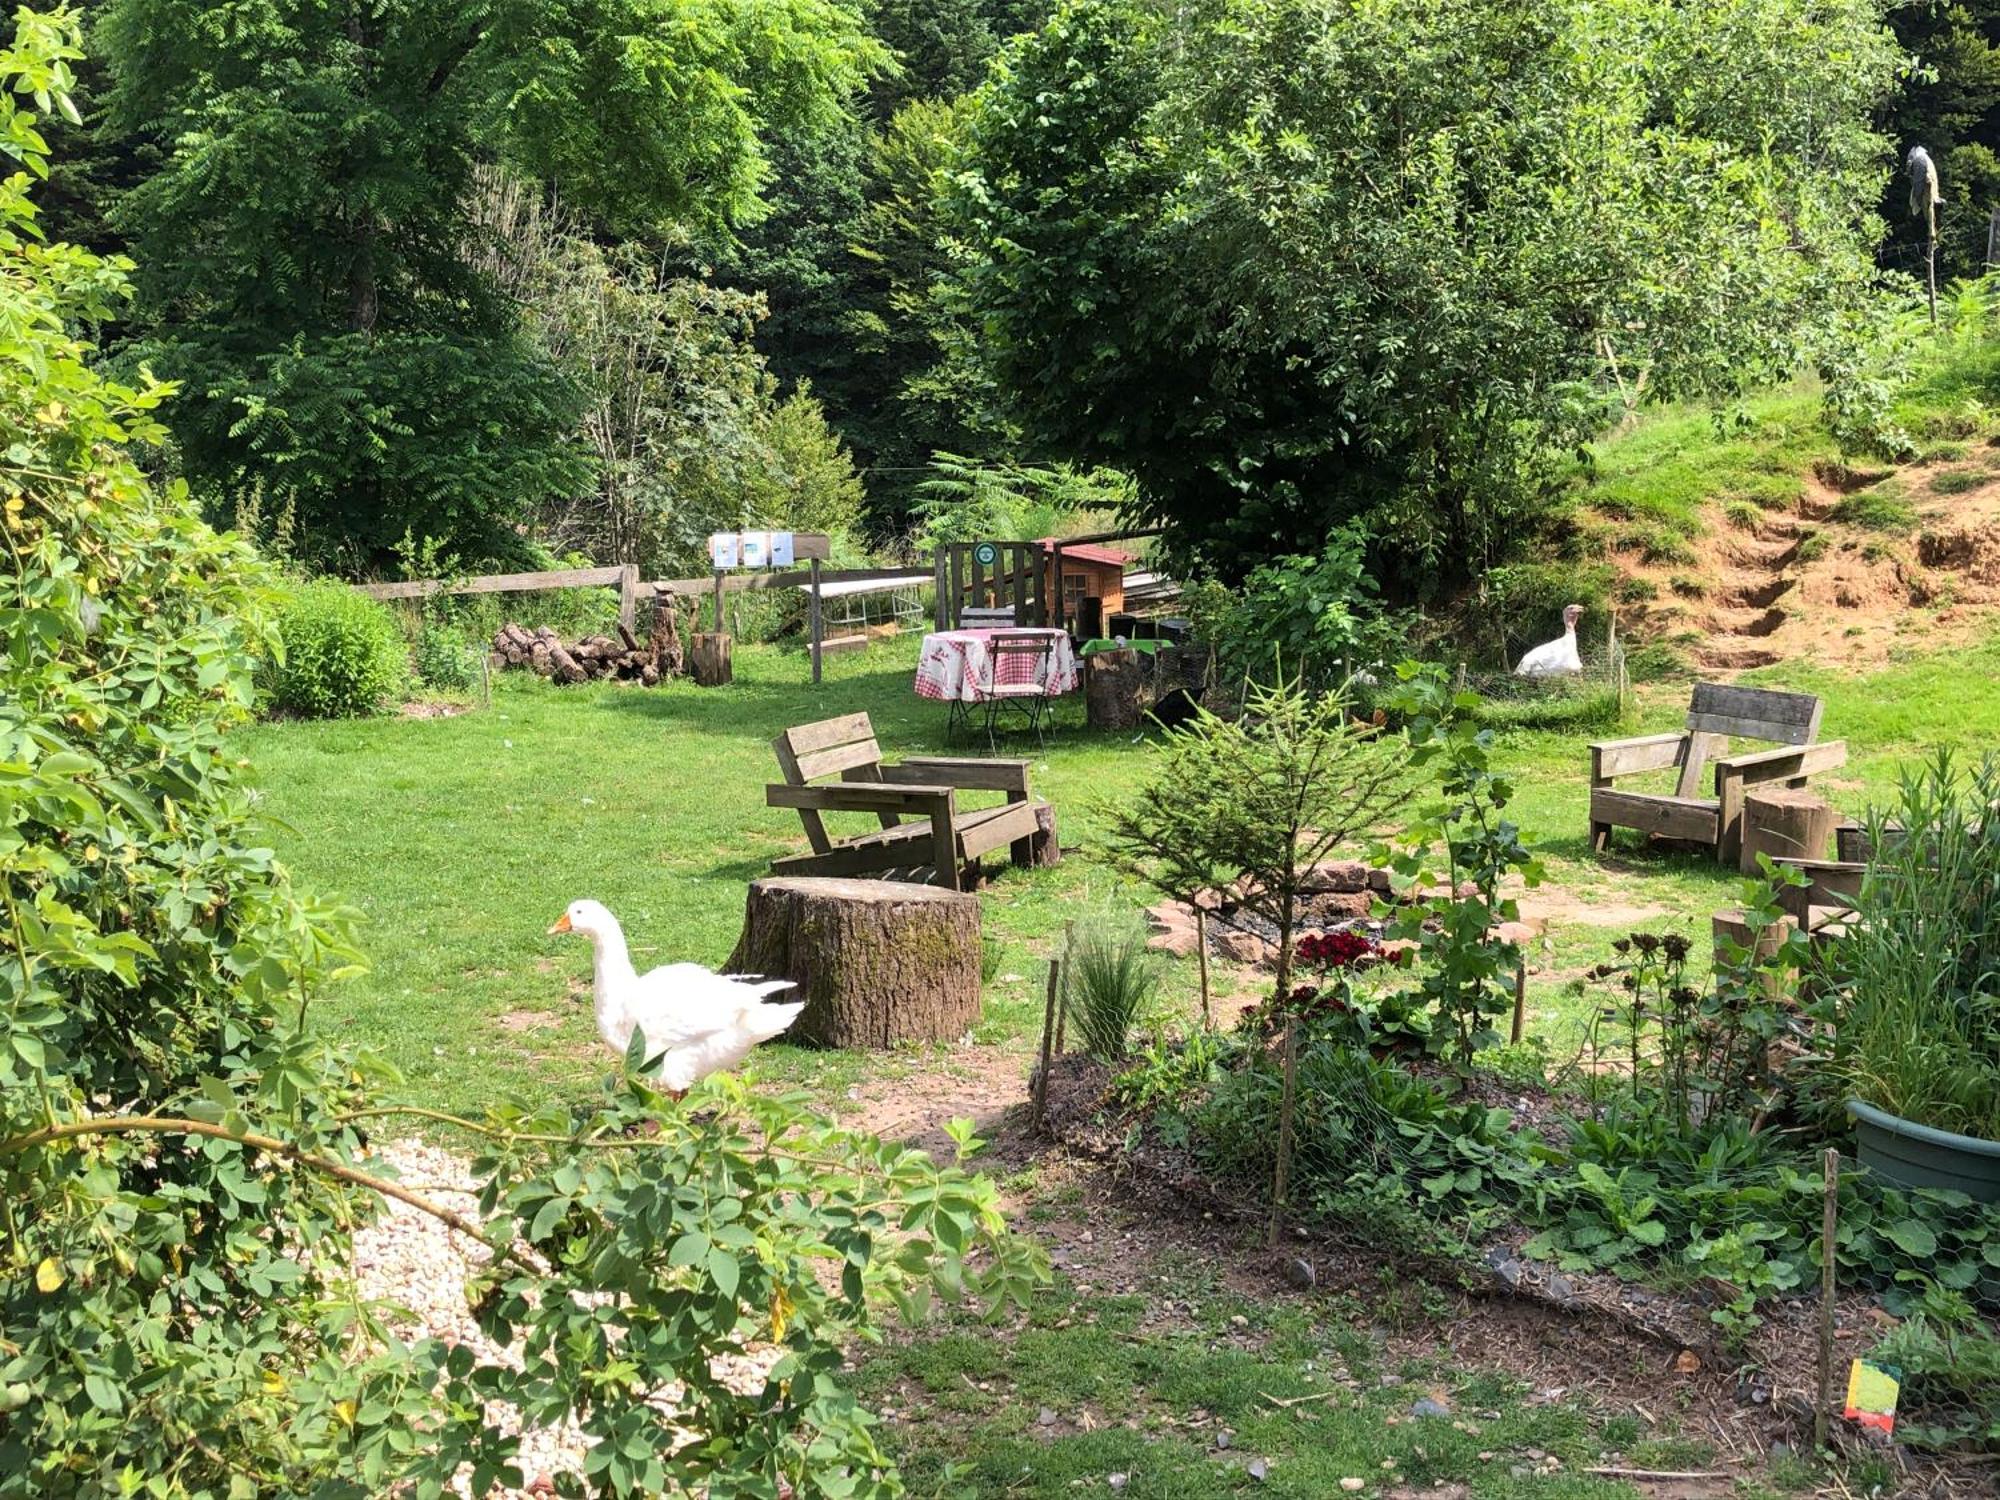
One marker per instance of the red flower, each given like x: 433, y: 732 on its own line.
x: 1345, y: 949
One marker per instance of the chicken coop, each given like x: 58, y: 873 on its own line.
x: 1090, y: 581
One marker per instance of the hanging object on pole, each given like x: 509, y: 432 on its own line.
x: 1924, y: 201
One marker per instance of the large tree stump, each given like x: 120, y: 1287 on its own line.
x: 1114, y: 690
x: 877, y: 961
x: 1785, y: 823
x: 708, y: 658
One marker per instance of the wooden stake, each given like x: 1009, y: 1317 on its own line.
x: 1201, y: 959
x: 1048, y: 1037
x: 1279, y: 1183
x: 1520, y: 999
x: 1827, y: 1252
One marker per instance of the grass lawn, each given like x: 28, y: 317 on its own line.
x: 462, y: 838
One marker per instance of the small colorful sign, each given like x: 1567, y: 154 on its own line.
x: 1871, y: 1395
x: 985, y: 554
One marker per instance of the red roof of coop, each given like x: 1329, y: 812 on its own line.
x: 1085, y: 552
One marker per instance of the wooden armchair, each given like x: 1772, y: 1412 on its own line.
x: 1716, y: 712
x: 942, y: 840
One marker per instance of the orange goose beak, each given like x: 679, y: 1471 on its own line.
x: 561, y: 925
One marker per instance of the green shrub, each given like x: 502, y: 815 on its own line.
x: 343, y: 655
x: 443, y: 659
x: 1109, y: 974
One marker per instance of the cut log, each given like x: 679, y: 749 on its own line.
x: 1785, y: 823
x: 708, y: 658
x: 877, y: 962
x: 1729, y: 930
x: 1045, y: 848
x: 1114, y: 695
x: 663, y: 651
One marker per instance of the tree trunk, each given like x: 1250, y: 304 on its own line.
x: 1785, y: 823
x: 664, y: 653
x: 877, y: 961
x: 1114, y: 690
x: 1045, y: 848
x: 708, y: 658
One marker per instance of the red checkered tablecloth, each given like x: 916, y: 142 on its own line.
x: 958, y: 664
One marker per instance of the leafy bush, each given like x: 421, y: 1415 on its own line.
x: 343, y: 656
x: 1915, y: 1014
x: 1109, y: 974
x: 1306, y: 615
x: 180, y: 1151
x: 1460, y: 838
x: 444, y: 659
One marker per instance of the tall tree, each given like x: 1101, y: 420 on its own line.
x: 1294, y: 262
x: 308, y: 245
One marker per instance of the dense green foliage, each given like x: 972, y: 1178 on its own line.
x: 1949, y: 105
x: 342, y: 654
x: 310, y: 254
x: 1293, y: 264
x: 181, y: 1154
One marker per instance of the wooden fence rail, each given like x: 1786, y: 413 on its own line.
x: 632, y: 588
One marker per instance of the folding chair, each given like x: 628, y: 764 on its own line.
x: 1022, y: 663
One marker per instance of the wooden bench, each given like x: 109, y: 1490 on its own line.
x: 1717, y: 712
x: 942, y: 839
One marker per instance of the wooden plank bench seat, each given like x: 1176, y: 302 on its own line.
x: 1716, y: 713
x: 941, y: 840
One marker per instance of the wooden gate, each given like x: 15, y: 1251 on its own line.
x: 990, y: 583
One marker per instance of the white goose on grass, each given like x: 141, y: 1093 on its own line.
x: 1559, y: 656
x: 700, y: 1021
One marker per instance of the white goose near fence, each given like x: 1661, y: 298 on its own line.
x: 1558, y: 657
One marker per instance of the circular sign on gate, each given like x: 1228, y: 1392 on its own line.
x: 985, y: 554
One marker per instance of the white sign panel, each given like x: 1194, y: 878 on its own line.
x: 756, y: 551
x: 781, y: 549
x: 724, y: 547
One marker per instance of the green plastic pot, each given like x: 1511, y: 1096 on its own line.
x: 1919, y: 1156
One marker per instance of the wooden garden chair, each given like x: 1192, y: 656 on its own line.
x: 1717, y: 712
x: 940, y: 841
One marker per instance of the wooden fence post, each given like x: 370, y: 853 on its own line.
x: 816, y: 618
x: 628, y: 596
x: 721, y: 625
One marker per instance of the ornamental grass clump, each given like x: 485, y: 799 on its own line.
x: 1915, y: 981
x: 1108, y: 977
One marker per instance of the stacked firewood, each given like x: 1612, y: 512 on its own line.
x: 595, y: 656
